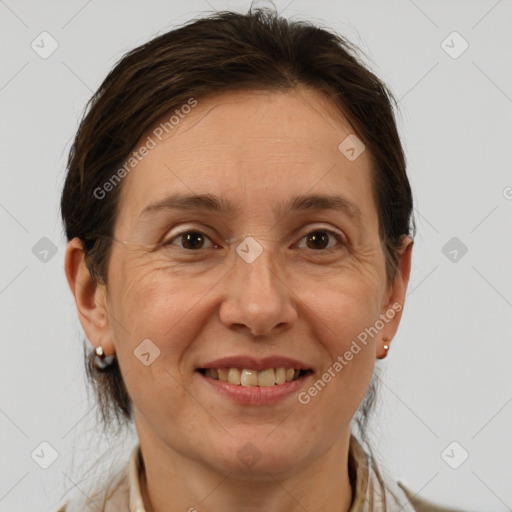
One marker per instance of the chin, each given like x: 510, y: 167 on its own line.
x: 253, y: 457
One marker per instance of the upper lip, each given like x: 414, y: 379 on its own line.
x: 254, y: 363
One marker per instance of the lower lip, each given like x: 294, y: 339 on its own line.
x: 255, y: 395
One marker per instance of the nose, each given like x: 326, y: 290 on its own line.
x: 258, y: 298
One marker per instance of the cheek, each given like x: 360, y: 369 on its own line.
x: 152, y: 298
x: 343, y: 307
x: 161, y: 311
x: 171, y: 312
x: 339, y: 317
x: 162, y: 306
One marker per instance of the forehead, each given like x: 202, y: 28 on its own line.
x: 249, y: 146
x: 246, y: 122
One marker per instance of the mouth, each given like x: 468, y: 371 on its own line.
x: 247, y: 377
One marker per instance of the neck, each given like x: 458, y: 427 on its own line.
x: 170, y: 477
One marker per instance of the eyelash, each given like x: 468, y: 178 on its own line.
x: 334, y: 234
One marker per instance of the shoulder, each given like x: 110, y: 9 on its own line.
x: 115, y: 492
x: 421, y: 504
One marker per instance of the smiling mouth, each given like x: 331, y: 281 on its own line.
x: 248, y: 377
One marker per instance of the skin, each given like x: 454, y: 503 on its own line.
x: 257, y: 150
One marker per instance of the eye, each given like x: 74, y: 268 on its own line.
x: 194, y: 240
x: 190, y: 240
x: 319, y: 239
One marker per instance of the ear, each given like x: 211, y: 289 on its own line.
x: 90, y: 298
x: 391, y: 312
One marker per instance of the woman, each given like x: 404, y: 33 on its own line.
x: 239, y: 224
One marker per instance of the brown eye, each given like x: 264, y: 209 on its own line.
x: 320, y: 239
x: 190, y: 240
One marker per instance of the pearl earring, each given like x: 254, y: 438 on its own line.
x: 101, y: 359
x: 100, y: 353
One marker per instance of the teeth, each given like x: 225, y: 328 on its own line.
x: 248, y: 377
x: 234, y: 376
x: 280, y: 375
x: 266, y: 377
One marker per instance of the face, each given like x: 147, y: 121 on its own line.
x: 278, y: 285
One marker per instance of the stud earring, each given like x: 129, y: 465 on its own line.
x: 386, y: 348
x: 100, y: 353
x: 101, y: 359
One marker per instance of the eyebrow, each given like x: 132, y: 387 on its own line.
x: 212, y: 203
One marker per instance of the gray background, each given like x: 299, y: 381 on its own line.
x: 447, y: 377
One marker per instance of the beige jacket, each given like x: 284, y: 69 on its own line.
x: 125, y: 492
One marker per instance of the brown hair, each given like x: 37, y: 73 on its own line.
x: 222, y: 52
